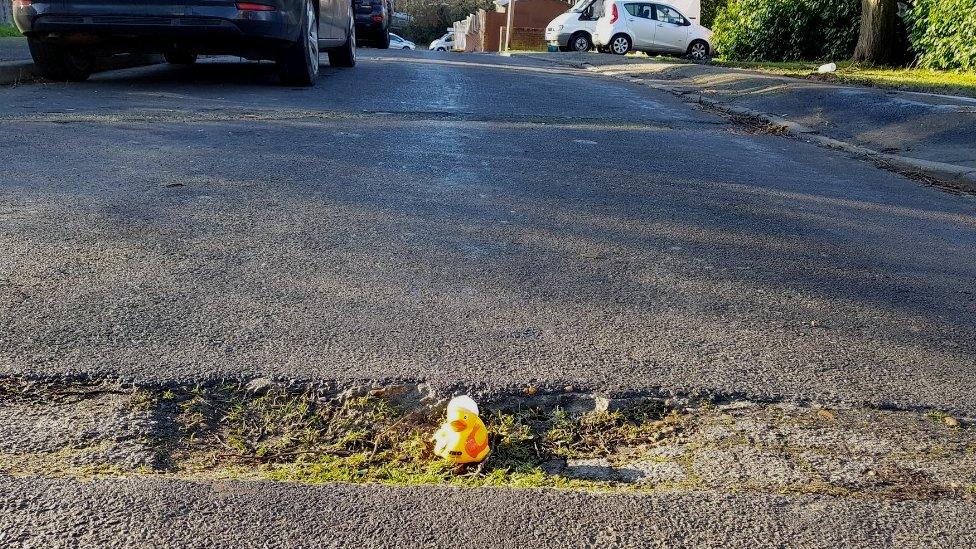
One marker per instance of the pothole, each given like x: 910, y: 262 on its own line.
x: 580, y: 441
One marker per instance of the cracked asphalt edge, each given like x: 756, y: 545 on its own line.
x: 262, y: 430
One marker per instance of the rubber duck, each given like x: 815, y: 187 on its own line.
x: 463, y: 438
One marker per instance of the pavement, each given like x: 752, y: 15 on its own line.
x: 16, y: 65
x: 14, y: 49
x: 466, y: 222
x: 929, y: 133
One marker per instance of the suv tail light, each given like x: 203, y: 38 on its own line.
x: 613, y: 13
x: 250, y: 6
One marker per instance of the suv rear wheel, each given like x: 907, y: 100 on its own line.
x: 299, y: 63
x: 383, y: 39
x: 59, y: 63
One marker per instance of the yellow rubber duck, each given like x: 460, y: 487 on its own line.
x: 463, y: 438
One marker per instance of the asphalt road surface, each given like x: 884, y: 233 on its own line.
x: 466, y: 220
x: 52, y: 513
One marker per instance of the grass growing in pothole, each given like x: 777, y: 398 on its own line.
x: 225, y: 431
x: 307, y: 437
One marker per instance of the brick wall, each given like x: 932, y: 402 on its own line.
x: 536, y: 14
x: 528, y: 39
x: 493, y: 22
x: 531, y: 18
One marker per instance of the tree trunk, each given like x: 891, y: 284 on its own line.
x: 878, y: 42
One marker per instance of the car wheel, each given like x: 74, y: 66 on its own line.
x: 180, y: 58
x: 299, y: 63
x: 698, y: 50
x: 580, y: 42
x: 405, y: 48
x: 383, y: 39
x: 619, y: 44
x: 441, y: 49
x: 59, y: 63
x: 345, y: 55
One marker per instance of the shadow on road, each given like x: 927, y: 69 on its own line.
x: 209, y: 72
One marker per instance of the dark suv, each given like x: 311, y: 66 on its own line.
x: 66, y: 36
x: 373, y: 18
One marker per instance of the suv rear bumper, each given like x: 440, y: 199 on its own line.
x: 365, y: 24
x: 217, y: 28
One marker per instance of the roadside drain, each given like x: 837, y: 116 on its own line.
x: 381, y: 435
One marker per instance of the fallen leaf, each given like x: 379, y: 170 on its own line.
x: 950, y: 421
x: 531, y: 391
x: 825, y: 414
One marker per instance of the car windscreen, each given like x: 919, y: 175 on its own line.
x: 580, y: 6
x: 591, y: 9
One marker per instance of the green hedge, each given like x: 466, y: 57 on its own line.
x: 710, y: 10
x: 943, y: 33
x: 787, y: 30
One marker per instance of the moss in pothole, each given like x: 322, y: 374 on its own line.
x: 606, y: 433
x: 308, y: 437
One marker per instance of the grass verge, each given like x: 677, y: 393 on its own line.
x: 9, y: 31
x: 923, y: 80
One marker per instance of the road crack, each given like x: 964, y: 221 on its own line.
x: 307, y: 116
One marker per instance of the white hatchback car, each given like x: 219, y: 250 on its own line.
x: 444, y: 43
x: 650, y: 27
x: 401, y: 43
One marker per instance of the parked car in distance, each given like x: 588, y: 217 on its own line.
x: 373, y: 18
x: 444, y: 43
x: 650, y: 27
x: 573, y: 30
x: 66, y: 37
x: 399, y: 42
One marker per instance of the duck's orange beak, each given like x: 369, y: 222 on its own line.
x: 459, y: 425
